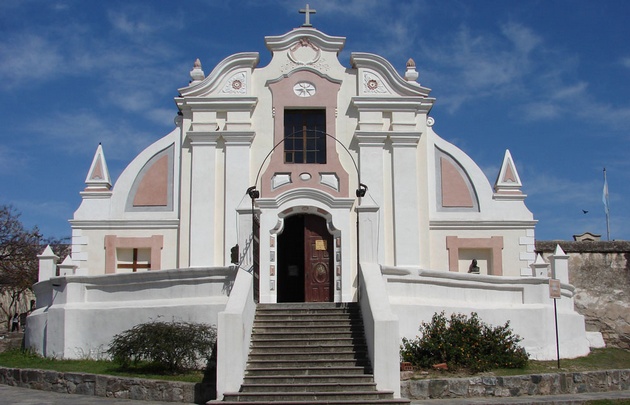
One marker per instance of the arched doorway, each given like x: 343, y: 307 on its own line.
x: 305, y: 260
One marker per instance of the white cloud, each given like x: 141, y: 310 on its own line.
x: 28, y: 57
x: 81, y: 131
x: 11, y: 161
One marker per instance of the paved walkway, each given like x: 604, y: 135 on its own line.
x: 25, y: 396
x: 568, y: 399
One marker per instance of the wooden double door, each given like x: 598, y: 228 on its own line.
x: 305, y: 260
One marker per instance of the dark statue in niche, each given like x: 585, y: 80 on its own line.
x: 473, y: 268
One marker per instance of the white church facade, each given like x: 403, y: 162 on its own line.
x: 305, y: 180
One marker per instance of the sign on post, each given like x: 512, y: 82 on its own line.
x: 555, y: 291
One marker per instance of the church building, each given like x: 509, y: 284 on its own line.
x: 306, y: 180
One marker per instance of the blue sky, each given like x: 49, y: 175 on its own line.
x: 549, y: 80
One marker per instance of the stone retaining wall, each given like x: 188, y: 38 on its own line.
x: 600, y: 272
x: 157, y: 390
x: 515, y: 386
x: 108, y: 386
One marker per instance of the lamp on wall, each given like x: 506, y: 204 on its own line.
x: 361, y: 190
x: 254, y: 194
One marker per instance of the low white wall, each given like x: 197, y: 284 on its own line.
x: 77, y: 316
x: 235, y: 330
x: 416, y: 295
x: 381, y: 329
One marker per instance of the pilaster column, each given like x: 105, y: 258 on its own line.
x: 203, y: 147
x: 237, y: 146
x: 245, y: 233
x: 371, y: 167
x: 406, y: 204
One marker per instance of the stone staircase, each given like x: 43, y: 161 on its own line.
x: 309, y: 354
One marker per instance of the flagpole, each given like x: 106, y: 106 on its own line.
x: 606, y: 207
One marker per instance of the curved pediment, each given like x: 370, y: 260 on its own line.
x: 317, y: 38
x: 377, y: 77
x: 232, y: 76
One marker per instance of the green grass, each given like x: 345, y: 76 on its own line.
x: 24, y: 359
x: 598, y: 359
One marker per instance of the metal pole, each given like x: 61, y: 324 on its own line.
x: 607, y: 208
x: 555, y: 311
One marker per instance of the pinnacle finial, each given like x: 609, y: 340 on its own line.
x: 411, y: 75
x: 197, y: 74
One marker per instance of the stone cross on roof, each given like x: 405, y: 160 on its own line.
x: 308, y: 13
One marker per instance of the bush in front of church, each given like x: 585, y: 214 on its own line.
x: 464, y: 342
x: 164, y: 347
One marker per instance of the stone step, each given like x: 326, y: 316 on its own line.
x: 312, y: 363
x: 307, y: 335
x: 397, y: 401
x: 306, y: 371
x: 305, y: 331
x: 309, y: 306
x: 311, y: 387
x: 311, y: 397
x: 307, y: 349
x: 266, y: 341
x: 303, y: 358
x: 307, y: 323
x: 309, y: 352
x: 298, y: 315
x: 309, y: 379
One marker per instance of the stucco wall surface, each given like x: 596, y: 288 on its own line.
x: 600, y: 272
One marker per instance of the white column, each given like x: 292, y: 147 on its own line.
x: 406, y: 204
x: 245, y: 233
x: 203, y: 198
x: 368, y: 233
x: 237, y: 146
x: 371, y: 168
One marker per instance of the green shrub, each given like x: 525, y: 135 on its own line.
x: 463, y: 342
x: 169, y: 347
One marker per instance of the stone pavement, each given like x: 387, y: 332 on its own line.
x: 568, y: 399
x: 24, y: 396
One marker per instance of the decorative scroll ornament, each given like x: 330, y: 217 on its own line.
x: 373, y: 84
x: 304, y: 52
x: 236, y: 84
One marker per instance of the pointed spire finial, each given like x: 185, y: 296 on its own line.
x: 98, y: 176
x: 508, y: 184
